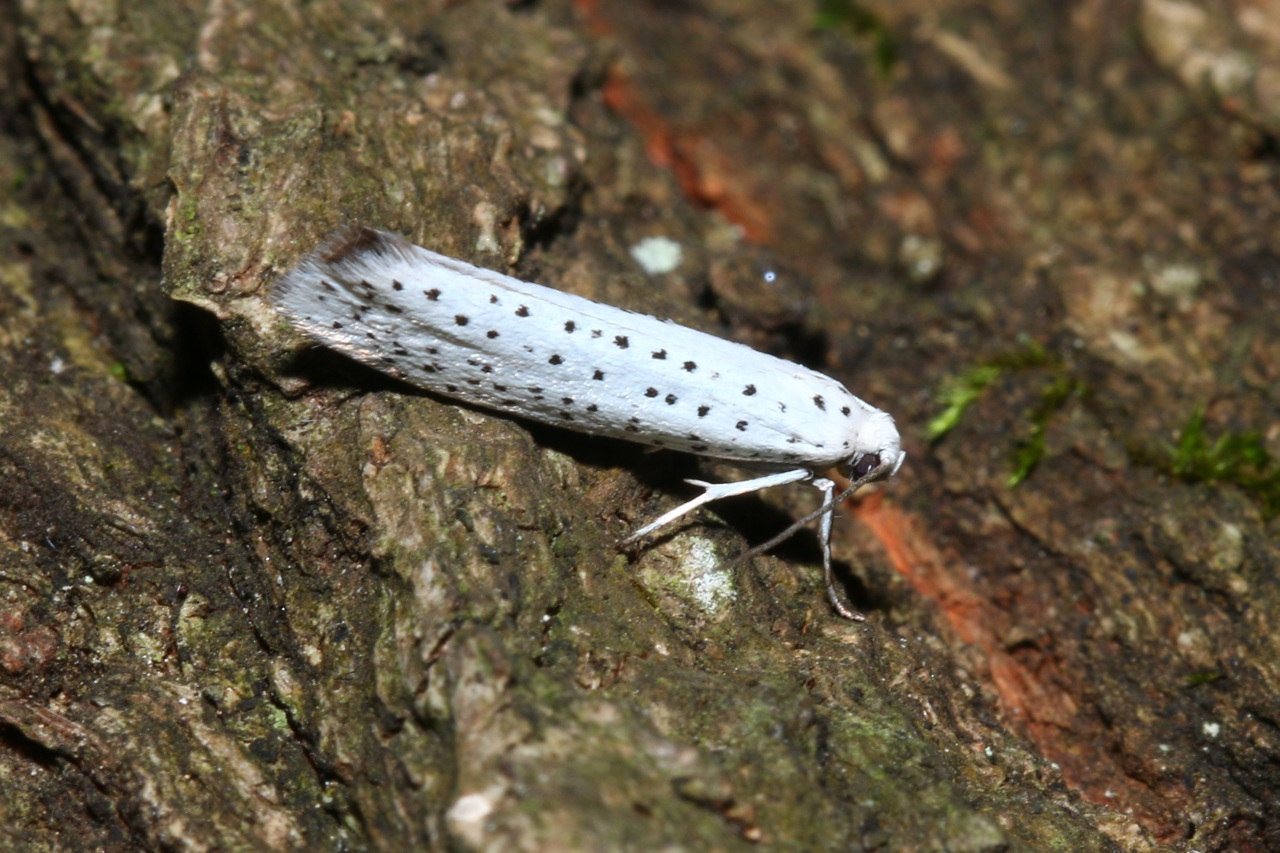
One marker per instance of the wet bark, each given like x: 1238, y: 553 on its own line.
x: 253, y: 596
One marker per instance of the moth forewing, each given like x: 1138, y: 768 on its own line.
x: 518, y: 347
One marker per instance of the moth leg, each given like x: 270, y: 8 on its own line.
x: 716, y: 491
x: 828, y: 491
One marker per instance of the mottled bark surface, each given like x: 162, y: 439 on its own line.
x: 255, y: 597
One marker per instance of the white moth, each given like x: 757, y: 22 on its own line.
x: 517, y: 347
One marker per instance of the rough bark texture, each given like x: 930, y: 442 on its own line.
x: 254, y: 597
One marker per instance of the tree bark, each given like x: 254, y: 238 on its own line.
x: 254, y: 596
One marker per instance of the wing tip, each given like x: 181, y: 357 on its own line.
x: 347, y: 252
x: 352, y: 245
x: 352, y: 241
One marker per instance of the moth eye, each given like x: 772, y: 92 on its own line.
x: 866, y: 465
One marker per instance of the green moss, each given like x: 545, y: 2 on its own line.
x: 849, y: 16
x: 1238, y: 458
x: 187, y: 227
x: 1030, y: 449
x: 1206, y: 677
x: 957, y: 394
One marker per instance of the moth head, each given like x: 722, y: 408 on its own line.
x: 879, y: 453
